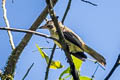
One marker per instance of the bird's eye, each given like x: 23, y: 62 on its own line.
x: 50, y: 26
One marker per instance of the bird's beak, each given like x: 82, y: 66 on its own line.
x: 43, y: 27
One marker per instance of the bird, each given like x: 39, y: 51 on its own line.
x: 76, y: 45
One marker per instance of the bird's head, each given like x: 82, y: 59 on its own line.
x: 49, y: 25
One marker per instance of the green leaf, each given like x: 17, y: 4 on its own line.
x: 67, y: 77
x: 85, y: 78
x: 54, y: 64
x: 66, y: 71
x: 41, y: 52
x: 71, y: 78
x: 77, y: 62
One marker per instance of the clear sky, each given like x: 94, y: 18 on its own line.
x: 99, y: 27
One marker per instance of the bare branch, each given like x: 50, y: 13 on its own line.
x: 114, y: 68
x: 13, y: 58
x: 28, y: 71
x: 62, y: 39
x: 54, y: 47
x: 48, y: 67
x: 66, y: 11
x: 48, y: 48
x: 45, y: 48
x: 95, y: 71
x: 89, y: 2
x: 95, y: 61
x: 7, y: 24
x: 28, y: 31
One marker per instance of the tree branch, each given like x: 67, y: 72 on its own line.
x: 54, y: 47
x: 89, y: 2
x: 7, y: 24
x: 62, y: 40
x: 95, y: 72
x: 28, y: 31
x: 48, y: 67
x: 28, y: 71
x: 66, y: 11
x: 13, y: 58
x: 114, y: 67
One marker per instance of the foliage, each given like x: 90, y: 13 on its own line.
x: 54, y: 64
x: 78, y: 64
x: 58, y: 65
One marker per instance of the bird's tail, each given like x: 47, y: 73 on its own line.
x: 95, y: 55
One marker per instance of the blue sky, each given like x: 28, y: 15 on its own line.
x: 97, y: 26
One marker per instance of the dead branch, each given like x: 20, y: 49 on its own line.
x: 62, y: 39
x: 7, y: 24
x: 13, y: 58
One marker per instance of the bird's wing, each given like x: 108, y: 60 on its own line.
x: 71, y: 37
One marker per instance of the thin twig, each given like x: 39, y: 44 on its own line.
x: 48, y: 67
x: 7, y: 24
x: 95, y: 72
x: 13, y: 58
x: 95, y: 61
x: 66, y: 11
x: 54, y: 47
x: 28, y: 31
x: 28, y: 71
x: 48, y: 48
x: 12, y: 1
x: 114, y: 68
x: 89, y: 2
x: 62, y: 39
x: 44, y: 48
